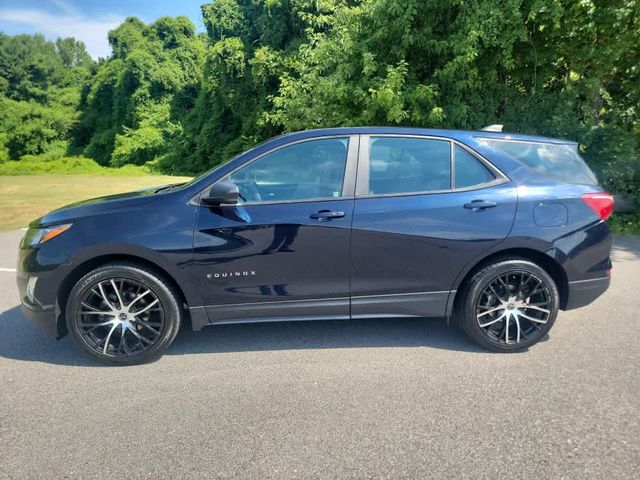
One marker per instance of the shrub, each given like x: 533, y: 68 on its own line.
x: 66, y: 165
x: 622, y: 177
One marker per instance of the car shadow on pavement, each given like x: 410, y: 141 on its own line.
x: 21, y: 340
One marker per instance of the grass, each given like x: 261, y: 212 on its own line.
x: 24, y: 198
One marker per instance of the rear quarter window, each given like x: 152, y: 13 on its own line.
x: 469, y: 171
x: 560, y: 162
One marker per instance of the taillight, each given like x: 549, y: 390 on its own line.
x: 601, y: 203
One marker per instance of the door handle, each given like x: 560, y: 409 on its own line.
x: 476, y: 205
x: 326, y: 215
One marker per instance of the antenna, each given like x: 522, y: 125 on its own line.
x: 492, y: 128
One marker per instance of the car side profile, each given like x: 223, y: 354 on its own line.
x: 495, y: 231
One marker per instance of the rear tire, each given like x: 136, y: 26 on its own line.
x: 123, y: 313
x: 509, y: 305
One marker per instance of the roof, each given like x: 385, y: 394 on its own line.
x: 455, y: 134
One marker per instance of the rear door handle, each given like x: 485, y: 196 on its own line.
x: 476, y: 205
x: 326, y: 215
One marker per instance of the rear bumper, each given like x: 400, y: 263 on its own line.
x: 583, y: 292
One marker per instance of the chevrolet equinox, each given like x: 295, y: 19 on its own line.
x: 495, y: 231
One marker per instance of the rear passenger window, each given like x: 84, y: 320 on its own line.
x: 406, y: 165
x: 469, y: 171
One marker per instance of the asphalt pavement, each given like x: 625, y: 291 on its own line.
x: 395, y: 399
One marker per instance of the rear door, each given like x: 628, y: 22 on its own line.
x: 425, y: 207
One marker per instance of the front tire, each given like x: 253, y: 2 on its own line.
x: 123, y: 313
x: 509, y: 305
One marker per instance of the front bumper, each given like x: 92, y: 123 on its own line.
x: 583, y: 292
x: 43, y: 315
x: 41, y: 271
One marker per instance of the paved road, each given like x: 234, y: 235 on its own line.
x: 358, y: 399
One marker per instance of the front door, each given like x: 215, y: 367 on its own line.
x: 425, y: 208
x: 283, y: 251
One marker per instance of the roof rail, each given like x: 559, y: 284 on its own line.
x: 492, y: 128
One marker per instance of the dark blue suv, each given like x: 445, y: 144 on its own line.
x: 493, y: 230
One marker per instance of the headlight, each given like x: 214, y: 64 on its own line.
x: 37, y: 236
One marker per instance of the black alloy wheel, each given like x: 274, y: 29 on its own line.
x: 509, y: 305
x: 123, y: 313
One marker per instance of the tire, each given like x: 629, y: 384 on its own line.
x: 509, y: 305
x: 123, y: 313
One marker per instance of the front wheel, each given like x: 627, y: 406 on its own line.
x: 123, y: 313
x: 509, y: 305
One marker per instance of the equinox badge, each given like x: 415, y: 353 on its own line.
x: 245, y: 273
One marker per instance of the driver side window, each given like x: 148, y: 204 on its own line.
x: 303, y: 171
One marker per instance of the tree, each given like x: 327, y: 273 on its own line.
x: 29, y: 66
x: 133, y: 107
x: 183, y: 102
x: 544, y: 66
x: 40, y: 85
x: 73, y: 53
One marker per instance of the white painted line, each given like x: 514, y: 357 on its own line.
x: 7, y: 269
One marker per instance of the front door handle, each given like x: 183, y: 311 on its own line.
x: 326, y: 215
x: 476, y: 205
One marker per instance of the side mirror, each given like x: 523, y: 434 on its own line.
x: 221, y: 193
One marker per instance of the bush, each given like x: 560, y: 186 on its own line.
x: 32, y: 129
x: 624, y: 223
x: 605, y: 145
x: 66, y: 165
x: 56, y: 151
x: 4, y: 152
x: 137, y: 146
x: 622, y: 177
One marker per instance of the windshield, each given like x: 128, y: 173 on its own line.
x: 208, y: 172
x: 214, y: 168
x: 558, y: 161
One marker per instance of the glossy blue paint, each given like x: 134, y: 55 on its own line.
x: 386, y: 256
x: 289, y: 255
x: 550, y: 214
x: 419, y: 243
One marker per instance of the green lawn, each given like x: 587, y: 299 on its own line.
x: 26, y: 197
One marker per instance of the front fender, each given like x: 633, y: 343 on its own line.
x: 175, y: 264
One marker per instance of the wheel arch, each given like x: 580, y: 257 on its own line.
x: 543, y: 260
x: 91, y: 264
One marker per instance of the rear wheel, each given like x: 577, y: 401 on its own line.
x: 509, y: 305
x: 123, y: 313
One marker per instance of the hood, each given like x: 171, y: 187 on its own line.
x: 99, y: 205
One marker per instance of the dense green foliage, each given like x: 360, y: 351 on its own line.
x: 68, y: 165
x: 39, y: 93
x: 133, y: 107
x: 181, y: 102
